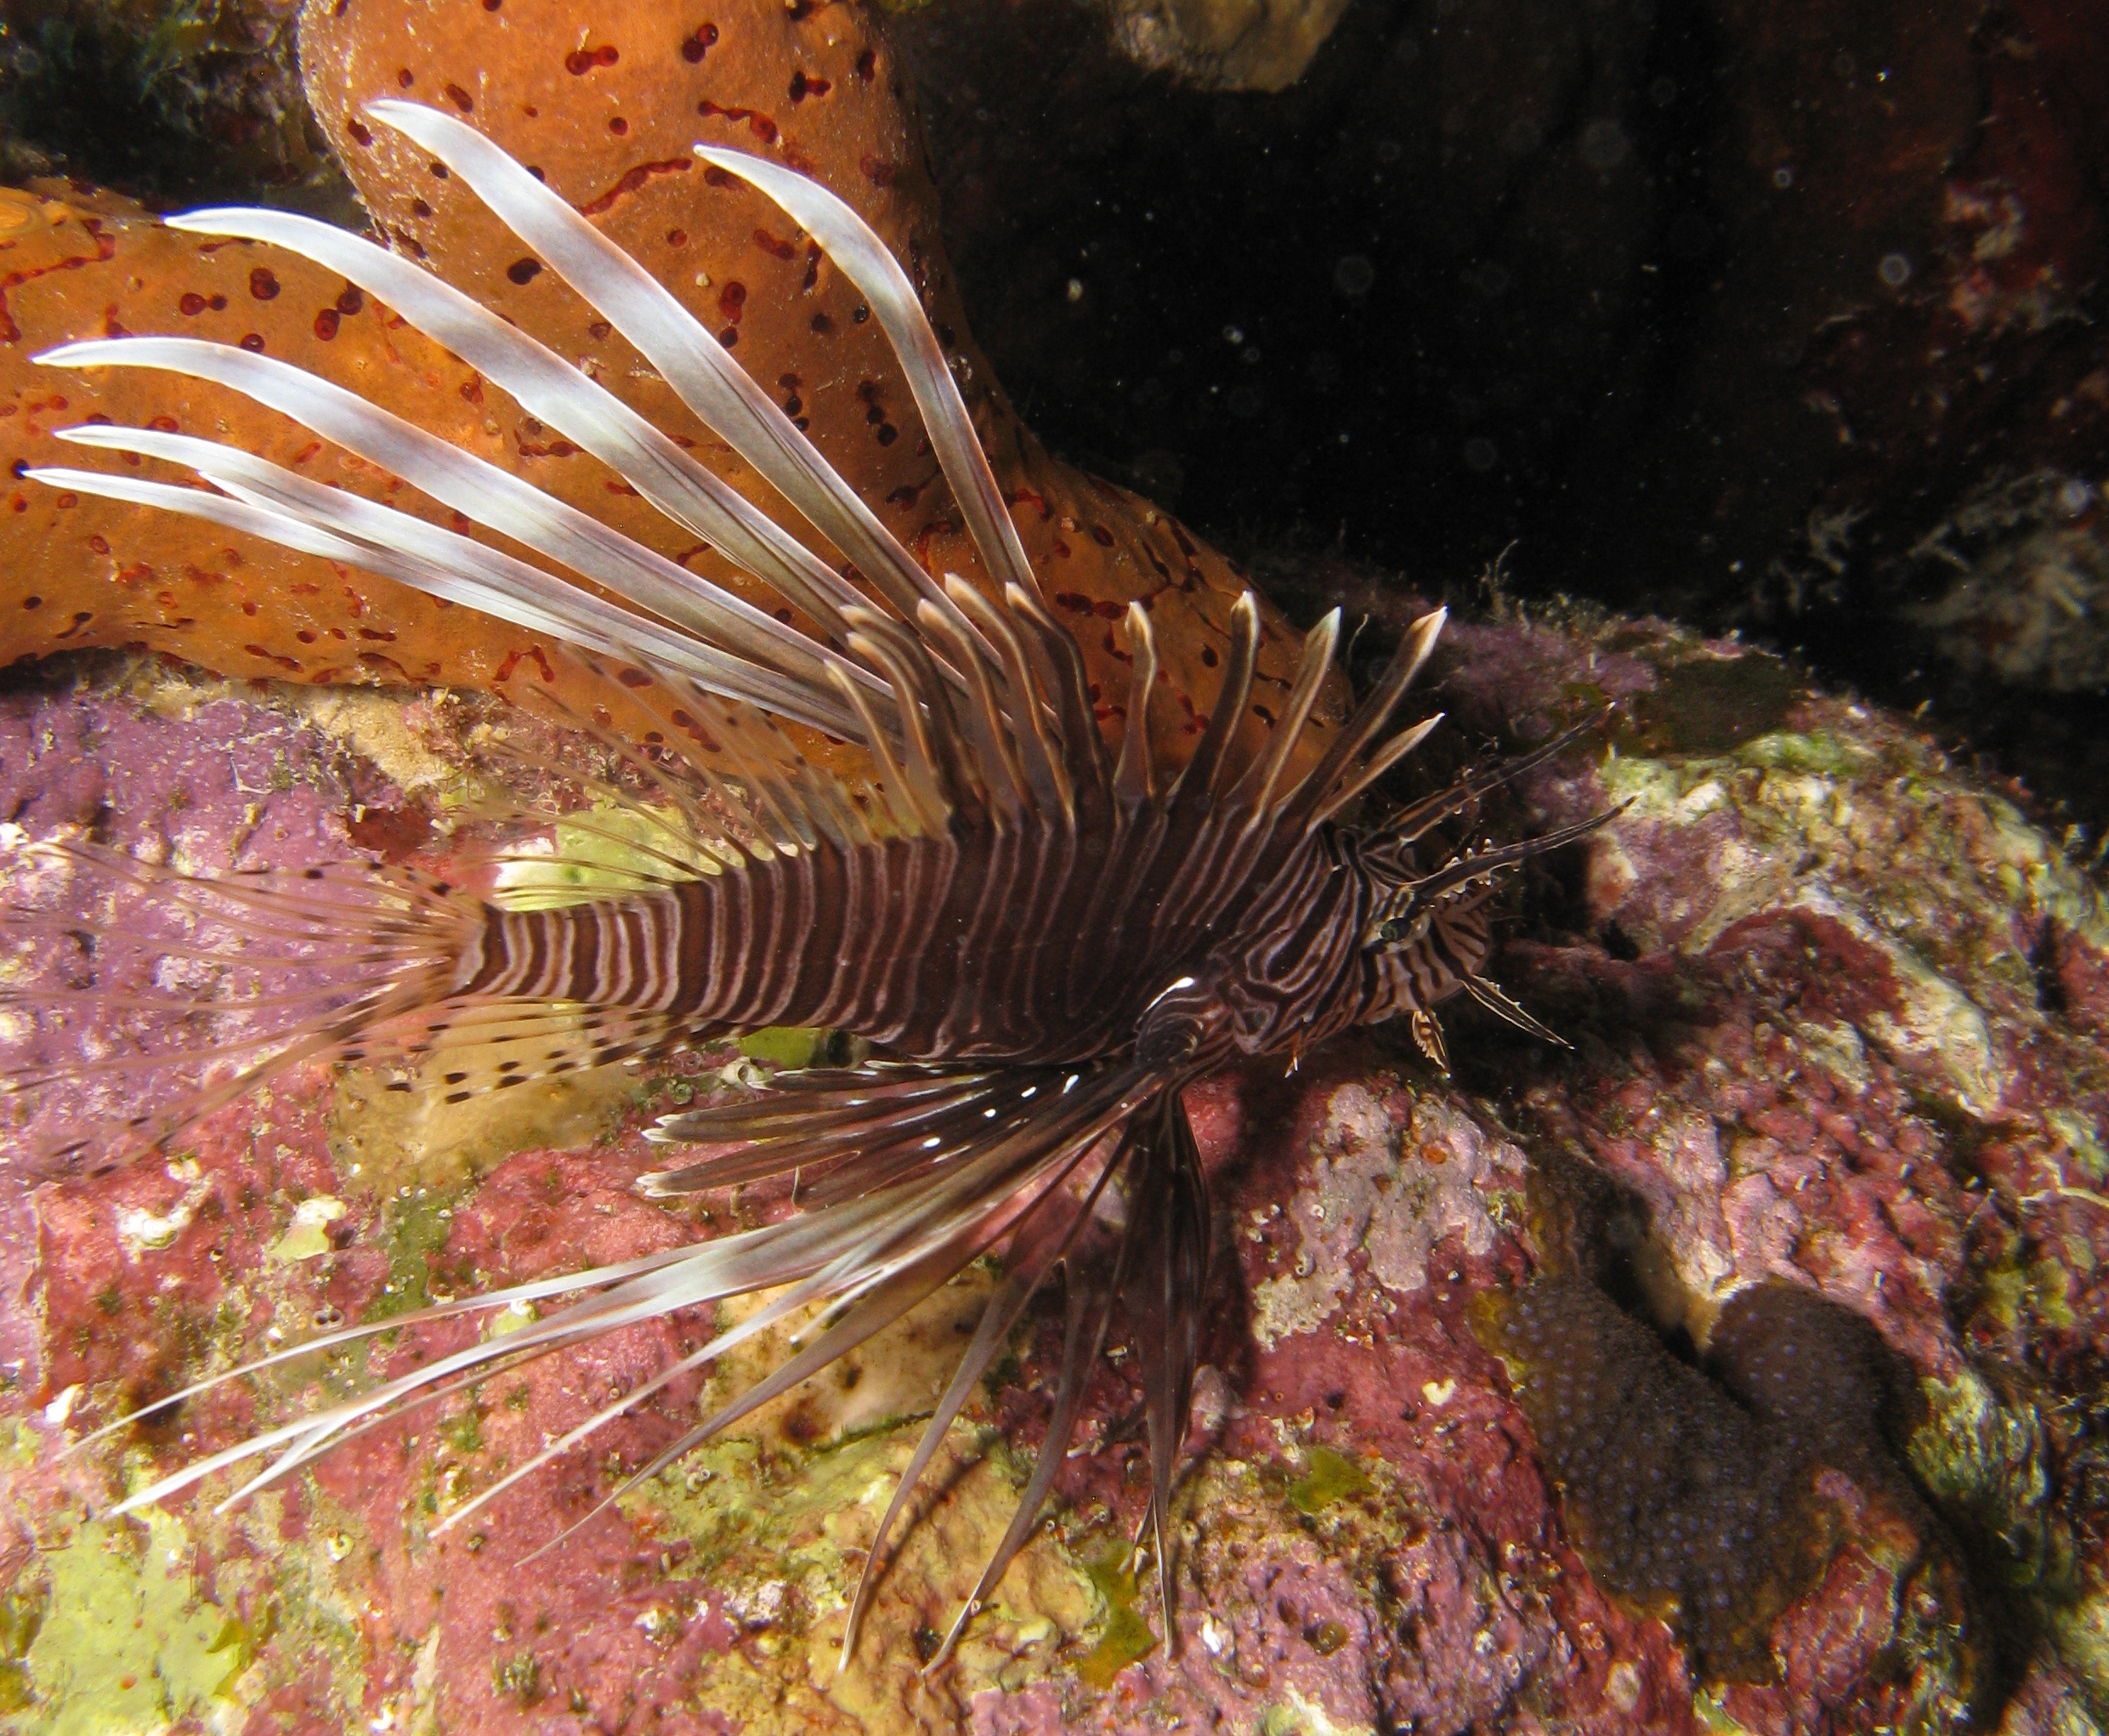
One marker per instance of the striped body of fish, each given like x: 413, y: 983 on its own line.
x: 941, y: 949
x: 1048, y: 933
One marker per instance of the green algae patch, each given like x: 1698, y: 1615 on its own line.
x: 124, y: 1641
x: 1987, y: 1462
x: 2080, y: 1630
x: 1329, y: 1477
x: 788, y: 1046
x: 1712, y: 1717
x: 112, y: 1628
x: 1816, y: 753
x: 1295, y: 1715
x: 2014, y: 1291
x: 517, y: 1677
x: 21, y: 1618
x: 1127, y: 1638
x: 1988, y: 1465
x: 2078, y: 1137
x: 414, y: 1232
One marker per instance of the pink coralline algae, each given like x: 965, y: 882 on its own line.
x: 1836, y: 1016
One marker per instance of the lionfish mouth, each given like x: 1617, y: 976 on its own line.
x: 912, y: 904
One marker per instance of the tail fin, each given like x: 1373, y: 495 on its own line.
x: 139, y: 999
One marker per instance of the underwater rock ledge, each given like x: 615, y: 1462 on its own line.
x: 1836, y: 1013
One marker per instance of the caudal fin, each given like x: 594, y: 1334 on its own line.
x: 139, y: 999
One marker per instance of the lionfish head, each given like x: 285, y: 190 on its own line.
x: 1430, y: 931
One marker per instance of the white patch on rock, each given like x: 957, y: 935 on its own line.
x: 1813, y: 831
x: 1685, y: 1148
x: 1839, y: 1051
x: 1943, y: 1028
x: 1394, y: 1193
x: 1940, y: 1028
x: 1611, y: 874
x: 142, y: 1231
x: 375, y: 722
x: 1764, y: 1226
x: 308, y: 1236
x: 1309, y: 1717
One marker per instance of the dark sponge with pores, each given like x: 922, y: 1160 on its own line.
x: 1681, y: 1500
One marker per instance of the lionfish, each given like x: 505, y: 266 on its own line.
x: 1046, y: 938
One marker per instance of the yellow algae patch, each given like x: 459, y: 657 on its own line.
x: 610, y: 848
x: 781, y: 1521
x: 790, y: 1046
x: 375, y: 722
x: 126, y: 1642
x: 896, y: 1376
x: 1295, y: 1715
x: 1330, y: 1476
x: 1042, y: 1599
x: 382, y: 1139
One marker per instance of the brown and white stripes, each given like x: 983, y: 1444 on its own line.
x: 980, y: 944
x: 607, y: 952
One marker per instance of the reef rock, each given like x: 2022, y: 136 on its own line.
x: 150, y: 96
x: 1226, y: 44
x: 1807, y: 1231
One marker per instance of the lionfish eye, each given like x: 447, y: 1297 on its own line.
x: 1404, y: 931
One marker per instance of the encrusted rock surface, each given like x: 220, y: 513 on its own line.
x: 161, y: 96
x: 1835, y: 1011
x: 1225, y: 44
